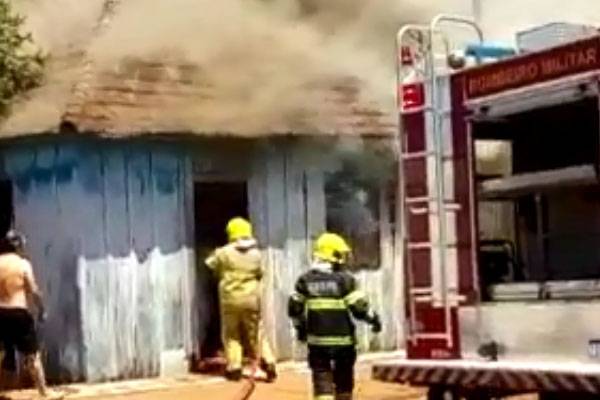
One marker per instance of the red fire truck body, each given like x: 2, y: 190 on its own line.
x: 492, y: 312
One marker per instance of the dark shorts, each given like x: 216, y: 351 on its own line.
x: 18, y: 331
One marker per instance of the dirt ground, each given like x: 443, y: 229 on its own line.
x: 292, y: 385
x: 289, y: 387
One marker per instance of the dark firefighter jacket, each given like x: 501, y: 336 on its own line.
x: 323, y: 305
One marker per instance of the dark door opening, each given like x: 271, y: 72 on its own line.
x: 215, y: 204
x: 6, y: 207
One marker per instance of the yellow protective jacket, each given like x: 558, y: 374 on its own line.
x: 239, y: 268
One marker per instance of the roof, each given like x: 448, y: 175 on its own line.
x: 136, y: 97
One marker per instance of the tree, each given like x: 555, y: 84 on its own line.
x: 21, y: 65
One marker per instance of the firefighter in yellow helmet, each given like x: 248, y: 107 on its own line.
x: 239, y: 269
x: 325, y: 300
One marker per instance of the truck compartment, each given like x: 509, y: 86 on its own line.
x: 539, y: 202
x: 533, y: 331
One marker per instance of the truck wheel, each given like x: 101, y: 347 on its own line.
x: 479, y: 395
x: 568, y: 396
x: 552, y: 396
x: 442, y: 393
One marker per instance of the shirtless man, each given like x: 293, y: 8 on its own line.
x: 18, y: 289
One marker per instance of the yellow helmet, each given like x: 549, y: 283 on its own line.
x: 238, y: 228
x: 332, y: 248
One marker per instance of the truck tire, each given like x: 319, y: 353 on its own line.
x: 442, y: 393
x: 568, y: 396
x: 479, y: 395
x: 551, y: 396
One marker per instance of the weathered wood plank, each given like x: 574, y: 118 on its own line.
x: 315, y: 204
x: 295, y: 248
x: 276, y: 234
x: 257, y: 199
x: 118, y: 238
x: 390, y: 313
x: 147, y: 330
x: 168, y: 260
x: 258, y: 209
x: 97, y: 304
x: 186, y: 197
x: 66, y: 248
x: 121, y: 262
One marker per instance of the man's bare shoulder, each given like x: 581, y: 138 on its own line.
x: 14, y: 261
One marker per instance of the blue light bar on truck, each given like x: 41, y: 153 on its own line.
x: 482, y: 51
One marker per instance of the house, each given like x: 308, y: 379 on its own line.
x: 122, y: 188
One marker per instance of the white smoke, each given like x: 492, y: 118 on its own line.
x: 262, y: 56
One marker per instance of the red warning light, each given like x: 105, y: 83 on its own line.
x: 413, y: 96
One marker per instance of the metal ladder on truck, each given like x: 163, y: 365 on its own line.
x: 434, y: 204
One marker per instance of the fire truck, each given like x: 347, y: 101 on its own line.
x: 501, y: 260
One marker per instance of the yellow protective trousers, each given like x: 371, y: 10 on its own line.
x: 241, y: 327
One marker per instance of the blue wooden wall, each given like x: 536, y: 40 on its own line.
x: 110, y: 228
x: 110, y: 243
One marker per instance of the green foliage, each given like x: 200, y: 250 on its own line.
x: 21, y: 65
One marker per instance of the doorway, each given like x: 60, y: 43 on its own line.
x: 215, y: 203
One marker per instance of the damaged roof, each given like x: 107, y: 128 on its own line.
x: 137, y: 97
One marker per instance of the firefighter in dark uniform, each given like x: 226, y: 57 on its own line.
x: 325, y: 300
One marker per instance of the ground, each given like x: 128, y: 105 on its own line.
x: 293, y: 384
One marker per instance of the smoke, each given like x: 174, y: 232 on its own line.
x: 264, y: 59
x: 59, y: 26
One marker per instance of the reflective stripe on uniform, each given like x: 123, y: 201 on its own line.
x: 324, y: 397
x: 355, y: 296
x: 325, y: 304
x: 330, y: 340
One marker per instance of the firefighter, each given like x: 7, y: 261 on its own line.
x: 239, y: 269
x: 325, y: 300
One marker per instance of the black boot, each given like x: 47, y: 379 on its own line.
x: 233, y: 375
x: 270, y: 370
